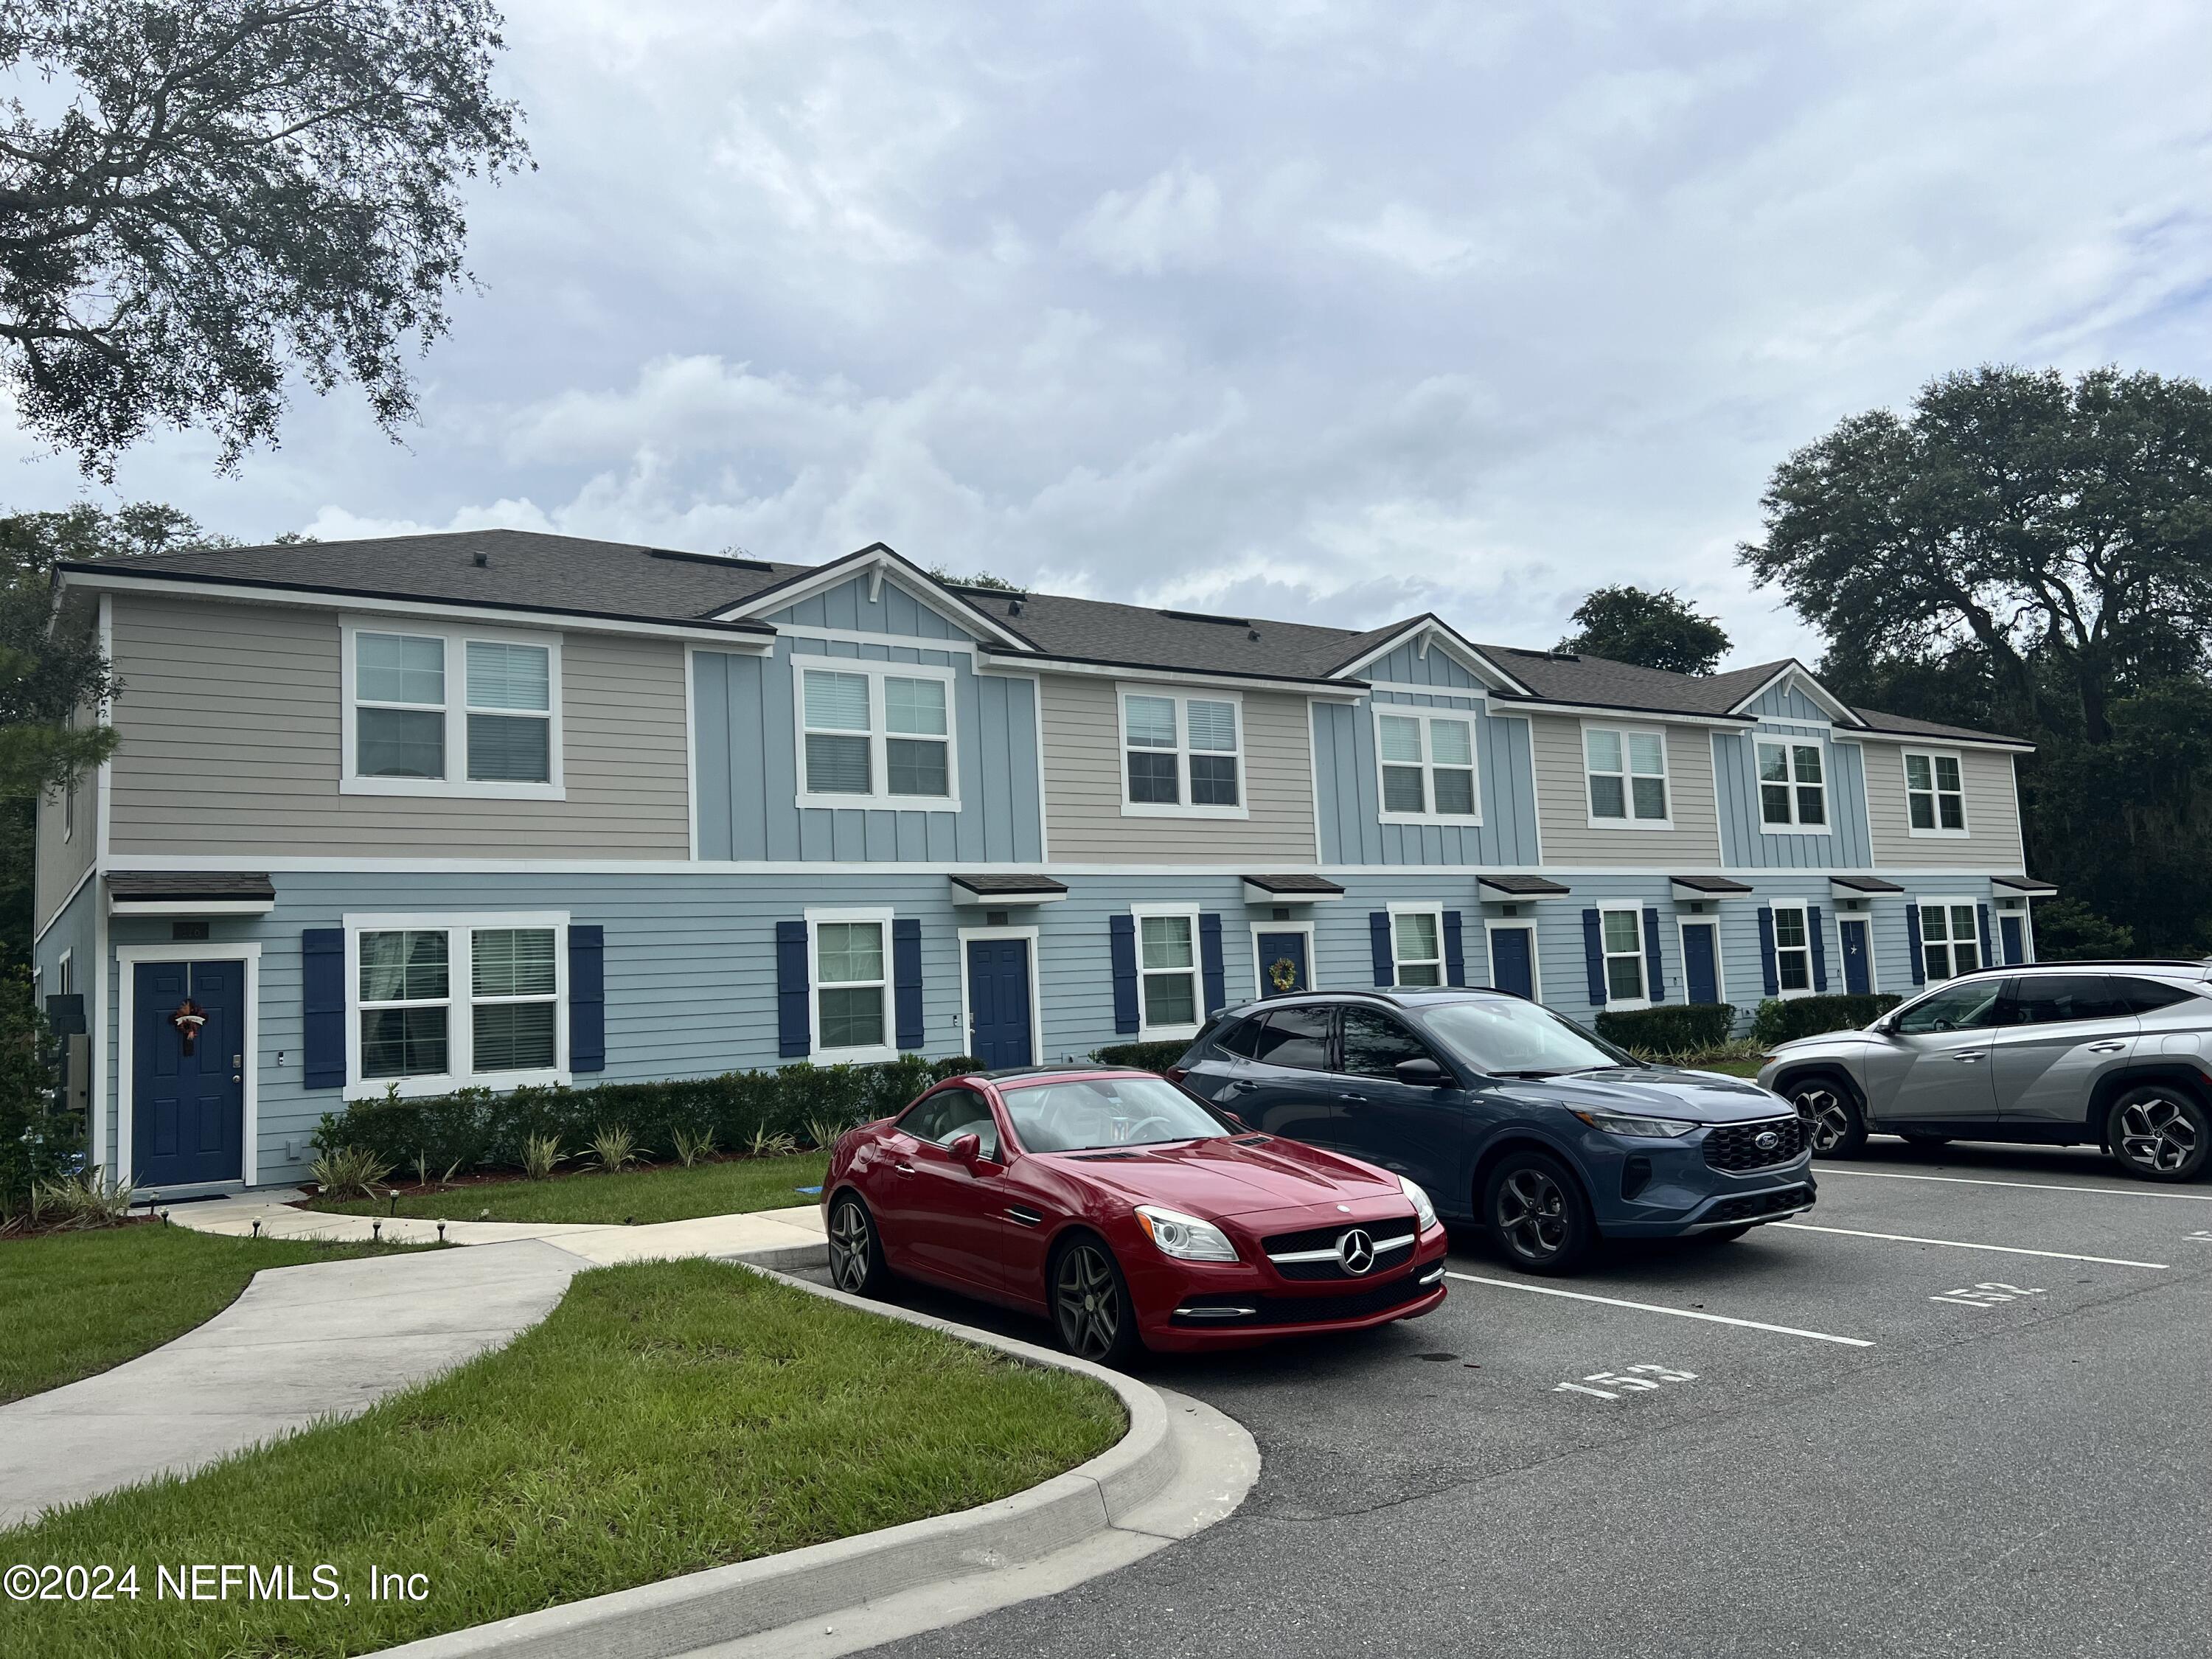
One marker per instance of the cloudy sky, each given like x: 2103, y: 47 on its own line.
x: 1316, y: 311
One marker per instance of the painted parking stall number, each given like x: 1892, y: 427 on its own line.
x: 1629, y: 1379
x: 1987, y: 1294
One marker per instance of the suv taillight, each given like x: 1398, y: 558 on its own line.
x: 1175, y: 1073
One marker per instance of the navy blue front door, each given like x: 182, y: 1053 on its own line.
x: 1513, y: 961
x: 187, y: 1098
x: 2015, y: 945
x: 1701, y: 961
x: 1858, y: 978
x: 1282, y: 963
x: 999, y: 1002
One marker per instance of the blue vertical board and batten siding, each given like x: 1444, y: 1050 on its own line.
x: 1434, y: 669
x: 893, y: 611
x: 1786, y: 702
x: 1746, y: 844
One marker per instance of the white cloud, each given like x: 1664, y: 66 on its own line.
x: 1173, y: 221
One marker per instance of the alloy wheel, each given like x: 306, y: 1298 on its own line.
x: 1532, y: 1213
x: 852, y: 1247
x: 1827, y: 1120
x: 1088, y: 1301
x: 2157, y: 1134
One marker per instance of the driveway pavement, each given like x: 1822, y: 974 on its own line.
x: 1843, y: 1438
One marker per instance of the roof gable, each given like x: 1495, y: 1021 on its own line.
x: 878, y: 562
x: 1791, y: 680
x: 1421, y: 635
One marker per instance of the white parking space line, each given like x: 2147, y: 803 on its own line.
x: 2032, y: 1186
x: 1961, y: 1245
x: 1653, y: 1307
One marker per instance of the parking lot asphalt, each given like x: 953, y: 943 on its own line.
x: 1958, y: 1410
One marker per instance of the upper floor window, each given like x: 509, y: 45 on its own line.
x: 1793, y: 789
x: 432, y: 713
x: 440, y: 1003
x: 1935, y: 794
x: 1627, y: 770
x: 1428, y: 766
x: 876, y: 734
x: 1182, y: 755
x: 1950, y: 939
x: 1417, y: 949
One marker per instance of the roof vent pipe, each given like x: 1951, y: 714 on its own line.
x: 483, y: 561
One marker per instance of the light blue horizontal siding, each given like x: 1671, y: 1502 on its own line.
x: 1745, y: 843
x: 1348, y: 790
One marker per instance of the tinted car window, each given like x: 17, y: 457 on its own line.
x: 1373, y: 1044
x: 1954, y: 1008
x: 949, y: 1114
x: 1241, y: 1038
x: 2148, y: 995
x: 1295, y: 1036
x: 2057, y: 999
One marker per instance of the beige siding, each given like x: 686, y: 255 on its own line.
x: 1992, y: 841
x: 62, y: 864
x: 230, y: 729
x: 1563, y: 801
x: 1082, y: 786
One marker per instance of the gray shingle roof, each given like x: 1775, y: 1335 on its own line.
x: 527, y: 570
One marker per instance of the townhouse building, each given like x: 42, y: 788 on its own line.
x: 495, y: 808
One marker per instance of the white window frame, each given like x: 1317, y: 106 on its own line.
x: 879, y: 798
x: 1707, y: 919
x: 1795, y: 824
x: 870, y: 1053
x: 1435, y: 910
x: 1935, y: 794
x: 1259, y: 989
x: 1490, y: 925
x: 1147, y: 1032
x: 1426, y: 715
x: 459, y: 928
x: 456, y: 639
x: 65, y: 972
x: 1183, y: 698
x: 1973, y: 907
x: 1605, y: 959
x: 1626, y: 776
x: 1812, y: 985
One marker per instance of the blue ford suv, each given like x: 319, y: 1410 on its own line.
x: 1510, y: 1116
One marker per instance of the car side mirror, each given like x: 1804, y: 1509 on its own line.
x: 1422, y: 1074
x: 965, y: 1149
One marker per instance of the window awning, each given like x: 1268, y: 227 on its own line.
x: 1521, y: 887
x: 1698, y: 888
x: 2026, y: 886
x: 1007, y: 890
x: 1851, y: 892
x: 1291, y: 889
x: 189, y: 893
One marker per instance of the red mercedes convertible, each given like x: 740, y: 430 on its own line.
x: 1128, y: 1213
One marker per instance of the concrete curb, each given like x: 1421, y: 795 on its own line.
x: 1137, y: 1496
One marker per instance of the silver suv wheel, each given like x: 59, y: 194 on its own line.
x: 1833, y: 1125
x: 2158, y: 1134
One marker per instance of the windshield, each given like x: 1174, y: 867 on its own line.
x: 1507, y: 1037
x: 1105, y: 1112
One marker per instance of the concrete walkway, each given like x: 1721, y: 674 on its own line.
x: 758, y: 1234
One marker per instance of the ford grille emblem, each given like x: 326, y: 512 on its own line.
x: 1355, y: 1250
x: 1767, y: 1141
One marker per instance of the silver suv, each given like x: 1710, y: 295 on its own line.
x: 2117, y: 1055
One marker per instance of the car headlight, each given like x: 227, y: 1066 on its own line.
x: 1617, y: 1123
x: 1423, y: 1211
x: 1184, y: 1237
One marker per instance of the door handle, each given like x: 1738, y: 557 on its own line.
x: 1969, y: 1057
x: 903, y: 1169
x: 2106, y: 1047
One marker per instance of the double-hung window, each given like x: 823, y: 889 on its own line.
x: 1620, y: 934
x: 1793, y: 789
x: 1950, y: 939
x: 1793, y: 951
x: 1428, y: 766
x: 876, y: 734
x: 1627, y: 771
x: 1417, y: 948
x: 1167, y: 974
x: 445, y: 712
x: 850, y: 951
x: 447, y: 1002
x: 1182, y: 755
x: 1935, y: 794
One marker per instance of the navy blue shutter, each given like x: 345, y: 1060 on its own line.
x: 1819, y: 948
x: 1378, y: 938
x: 1912, y: 936
x: 322, y: 1008
x: 1771, y: 976
x: 1594, y: 956
x: 794, y: 1030
x: 1655, y: 986
x: 906, y: 980
x: 1984, y: 910
x: 587, y: 998
x: 1455, y: 951
x: 1122, y: 931
x: 1209, y: 963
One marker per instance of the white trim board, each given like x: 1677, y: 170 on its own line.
x: 127, y: 958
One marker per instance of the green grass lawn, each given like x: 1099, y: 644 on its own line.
x: 669, y: 1416
x: 671, y: 1192
x: 74, y: 1303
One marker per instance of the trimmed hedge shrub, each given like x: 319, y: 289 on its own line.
x: 1778, y: 1019
x: 1672, y: 1029
x: 1145, y: 1056
x: 477, y: 1128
